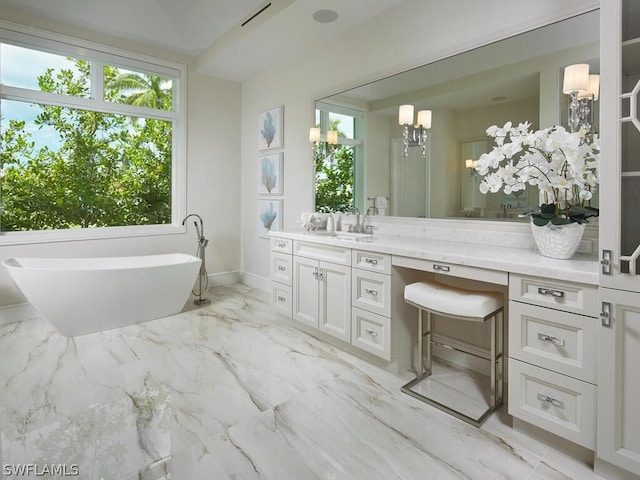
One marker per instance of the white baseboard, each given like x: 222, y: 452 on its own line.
x: 17, y: 313
x: 256, y: 281
x: 226, y: 278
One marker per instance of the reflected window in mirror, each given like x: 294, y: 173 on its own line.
x: 337, y: 165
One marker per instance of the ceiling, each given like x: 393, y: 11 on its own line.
x: 210, y: 31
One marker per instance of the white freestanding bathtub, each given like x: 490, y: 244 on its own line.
x: 87, y: 295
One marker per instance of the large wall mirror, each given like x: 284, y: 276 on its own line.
x: 517, y: 79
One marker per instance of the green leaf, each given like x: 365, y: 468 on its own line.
x: 540, y: 221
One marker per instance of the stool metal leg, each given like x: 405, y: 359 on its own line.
x: 429, y: 351
x: 420, y: 369
x: 500, y: 334
x: 492, y: 398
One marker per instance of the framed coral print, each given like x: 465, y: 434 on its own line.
x: 270, y: 174
x: 270, y: 129
x: 269, y: 216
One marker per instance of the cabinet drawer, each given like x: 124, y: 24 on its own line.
x: 371, y: 332
x: 371, y: 291
x: 557, y: 403
x: 330, y: 253
x: 462, y: 271
x: 567, y: 296
x: 281, y: 267
x: 375, y: 262
x: 281, y: 298
x: 563, y: 342
x: 284, y: 245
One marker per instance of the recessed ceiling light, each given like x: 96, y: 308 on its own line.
x: 498, y: 99
x: 325, y: 16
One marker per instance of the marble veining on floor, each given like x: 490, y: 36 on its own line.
x: 230, y: 391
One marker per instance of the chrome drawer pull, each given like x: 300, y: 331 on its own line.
x: 606, y: 262
x: 550, y: 400
x: 368, y: 331
x: 371, y: 291
x: 371, y: 261
x: 281, y: 298
x: 551, y: 292
x: 440, y: 268
x: 550, y: 338
x: 281, y: 268
x: 282, y: 245
x: 605, y: 315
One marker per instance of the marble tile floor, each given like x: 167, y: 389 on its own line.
x: 230, y: 391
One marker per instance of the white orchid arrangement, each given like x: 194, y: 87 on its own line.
x: 563, y: 165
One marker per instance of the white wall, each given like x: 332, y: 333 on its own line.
x: 213, y: 177
x: 417, y: 33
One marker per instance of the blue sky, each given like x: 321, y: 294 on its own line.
x: 20, y: 67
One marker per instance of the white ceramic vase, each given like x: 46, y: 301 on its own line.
x: 558, y: 241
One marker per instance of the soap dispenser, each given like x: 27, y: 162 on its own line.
x: 331, y: 225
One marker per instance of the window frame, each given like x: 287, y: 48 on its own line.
x: 359, y: 115
x: 99, y: 55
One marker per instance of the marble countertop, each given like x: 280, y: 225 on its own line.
x: 580, y: 268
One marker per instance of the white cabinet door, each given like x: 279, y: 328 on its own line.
x: 322, y: 296
x: 306, y: 289
x: 620, y: 140
x: 335, y: 300
x: 619, y: 380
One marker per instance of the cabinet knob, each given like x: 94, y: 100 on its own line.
x: 371, y: 332
x: 371, y: 291
x: 282, y: 268
x: 441, y: 268
x: 371, y: 261
x: 281, y: 298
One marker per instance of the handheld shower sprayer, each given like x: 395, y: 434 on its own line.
x: 202, y: 244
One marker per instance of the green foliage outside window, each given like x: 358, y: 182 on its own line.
x: 334, y: 176
x: 109, y: 169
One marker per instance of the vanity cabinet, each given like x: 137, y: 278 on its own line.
x: 322, y: 288
x: 552, y: 362
x: 618, y: 447
x: 282, y: 275
x: 371, y: 300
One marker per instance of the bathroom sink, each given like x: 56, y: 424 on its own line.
x: 363, y: 237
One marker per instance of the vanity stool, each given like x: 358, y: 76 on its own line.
x: 457, y: 304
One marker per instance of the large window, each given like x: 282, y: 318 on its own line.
x: 338, y: 168
x: 90, y: 138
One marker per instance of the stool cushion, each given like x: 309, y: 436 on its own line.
x: 454, y: 301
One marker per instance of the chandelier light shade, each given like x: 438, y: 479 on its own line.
x: 576, y: 79
x: 593, y: 89
x: 332, y: 137
x: 405, y: 115
x: 424, y: 118
x: 314, y: 134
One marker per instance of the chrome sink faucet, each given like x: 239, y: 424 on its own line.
x: 357, y: 228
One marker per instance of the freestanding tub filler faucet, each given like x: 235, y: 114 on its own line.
x: 200, y: 253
